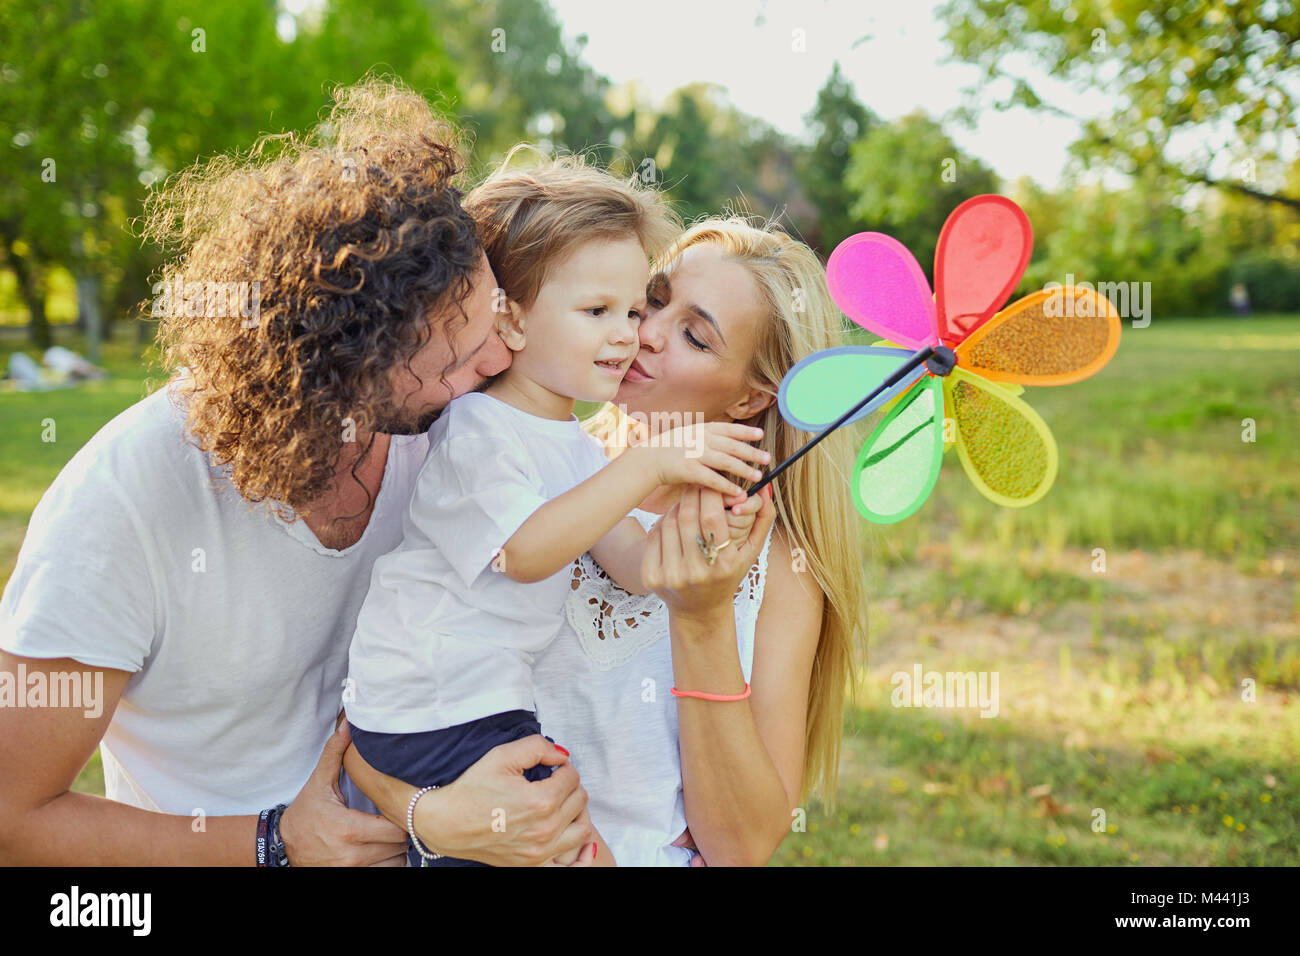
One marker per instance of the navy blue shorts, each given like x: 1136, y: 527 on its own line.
x: 437, y: 757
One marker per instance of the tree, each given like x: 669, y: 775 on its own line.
x: 103, y: 99
x: 1136, y: 235
x: 713, y: 159
x: 836, y: 122
x: 690, y: 153
x: 520, y: 80
x: 1219, y: 74
x: 907, y: 177
x: 70, y: 104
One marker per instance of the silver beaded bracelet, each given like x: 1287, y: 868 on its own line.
x: 410, y: 826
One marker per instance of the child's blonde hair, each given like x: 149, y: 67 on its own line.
x: 529, y: 218
x: 812, y: 496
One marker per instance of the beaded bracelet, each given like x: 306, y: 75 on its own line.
x: 410, y: 826
x: 694, y: 693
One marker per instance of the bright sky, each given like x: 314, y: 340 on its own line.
x: 895, y: 70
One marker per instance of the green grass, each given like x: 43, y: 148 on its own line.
x: 1152, y: 453
x: 28, y: 463
x: 1120, y: 685
x: 917, y: 788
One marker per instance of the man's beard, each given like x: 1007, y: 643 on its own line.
x: 391, y: 422
x: 396, y: 426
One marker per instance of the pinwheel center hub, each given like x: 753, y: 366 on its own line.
x: 941, y: 361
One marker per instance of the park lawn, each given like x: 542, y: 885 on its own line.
x: 1122, y: 614
x: 27, y: 462
x: 1120, y: 689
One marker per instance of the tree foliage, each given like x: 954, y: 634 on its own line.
x: 836, y: 122
x: 100, y: 100
x: 907, y: 176
x: 1193, y: 79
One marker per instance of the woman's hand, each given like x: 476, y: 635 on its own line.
x: 676, y: 569
x: 697, y: 454
x: 544, y: 819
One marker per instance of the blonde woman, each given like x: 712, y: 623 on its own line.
x: 732, y: 308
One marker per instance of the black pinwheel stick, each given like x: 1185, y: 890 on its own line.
x: 938, y: 359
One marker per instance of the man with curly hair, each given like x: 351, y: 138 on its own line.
x: 210, y: 633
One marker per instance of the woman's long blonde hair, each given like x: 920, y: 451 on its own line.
x: 812, y: 496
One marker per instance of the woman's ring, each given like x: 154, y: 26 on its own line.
x: 710, y: 550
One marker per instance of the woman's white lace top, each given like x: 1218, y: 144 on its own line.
x: 602, y: 693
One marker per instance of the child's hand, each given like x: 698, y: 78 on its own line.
x: 741, y: 513
x: 696, y: 454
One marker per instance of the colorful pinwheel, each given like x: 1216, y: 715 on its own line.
x: 969, y: 359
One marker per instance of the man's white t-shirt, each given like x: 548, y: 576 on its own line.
x: 141, y: 556
x: 444, y: 637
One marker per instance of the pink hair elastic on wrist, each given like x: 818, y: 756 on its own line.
x: 694, y: 693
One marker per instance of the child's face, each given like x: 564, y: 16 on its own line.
x: 587, y: 312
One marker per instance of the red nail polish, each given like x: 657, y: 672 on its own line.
x: 595, y: 849
x: 561, y: 749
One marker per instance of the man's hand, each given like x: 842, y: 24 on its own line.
x: 319, y: 829
x: 573, y: 857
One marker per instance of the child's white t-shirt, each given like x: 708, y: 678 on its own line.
x: 444, y: 636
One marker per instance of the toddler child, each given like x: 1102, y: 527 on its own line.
x: 513, y: 490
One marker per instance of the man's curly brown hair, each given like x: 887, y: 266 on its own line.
x: 356, y: 237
